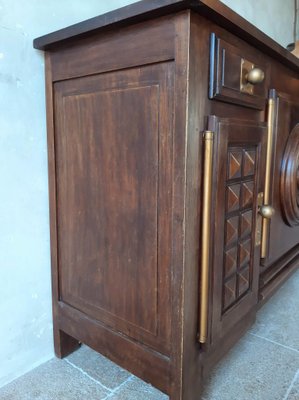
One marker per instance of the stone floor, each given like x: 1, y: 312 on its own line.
x: 263, y: 366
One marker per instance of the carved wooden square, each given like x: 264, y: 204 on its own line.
x: 229, y: 292
x: 230, y: 261
x: 234, y: 164
x: 245, y: 224
x: 247, y: 194
x: 244, y: 252
x: 232, y: 230
x: 243, y: 280
x: 249, y: 162
x: 233, y: 197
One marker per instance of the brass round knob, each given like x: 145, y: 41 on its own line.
x: 256, y: 75
x: 267, y: 211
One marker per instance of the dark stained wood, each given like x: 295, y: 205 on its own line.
x: 114, y: 199
x: 271, y: 288
x: 63, y: 343
x: 127, y: 104
x: 289, y: 183
x: 282, y: 236
x: 191, y: 357
x: 177, y: 211
x: 142, y: 88
x: 66, y: 64
x: 282, y: 263
x: 225, y: 75
x: 238, y: 161
x: 142, y: 10
x: 137, y: 12
x: 127, y: 353
x: 223, y: 16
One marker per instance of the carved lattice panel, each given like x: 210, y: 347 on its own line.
x: 240, y: 193
x: 238, y: 167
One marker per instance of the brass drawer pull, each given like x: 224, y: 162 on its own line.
x: 266, y: 211
x: 250, y: 76
x: 205, y: 234
x: 255, y: 76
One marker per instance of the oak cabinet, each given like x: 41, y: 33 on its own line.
x: 173, y: 173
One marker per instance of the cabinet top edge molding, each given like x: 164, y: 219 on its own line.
x: 149, y: 9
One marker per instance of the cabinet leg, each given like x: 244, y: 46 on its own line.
x: 64, y: 344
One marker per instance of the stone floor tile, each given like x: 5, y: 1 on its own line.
x: 136, y: 389
x: 98, y: 367
x: 293, y: 392
x: 278, y: 320
x: 255, y: 369
x: 54, y: 380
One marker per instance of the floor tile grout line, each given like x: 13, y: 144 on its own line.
x: 115, y: 390
x: 274, y: 342
x: 87, y: 375
x: 291, y: 385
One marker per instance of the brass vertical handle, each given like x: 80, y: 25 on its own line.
x: 205, y: 234
x: 267, y: 189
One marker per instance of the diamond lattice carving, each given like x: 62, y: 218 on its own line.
x: 245, y: 250
x: 241, y: 164
x: 246, y: 224
x: 229, y: 292
x: 247, y: 194
x: 230, y: 264
x: 233, y: 197
x: 234, y: 164
x: 243, y: 280
x: 232, y: 227
x: 249, y: 162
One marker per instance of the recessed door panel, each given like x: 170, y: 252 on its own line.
x: 114, y: 155
x: 234, y: 261
x: 283, y: 230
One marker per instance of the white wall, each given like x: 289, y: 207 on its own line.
x: 25, y: 306
x: 274, y: 17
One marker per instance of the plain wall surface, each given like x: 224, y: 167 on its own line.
x: 274, y: 17
x: 25, y: 307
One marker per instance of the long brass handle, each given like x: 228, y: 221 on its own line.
x: 267, y: 189
x: 205, y: 235
x: 255, y: 76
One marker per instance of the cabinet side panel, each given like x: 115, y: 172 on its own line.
x: 114, y: 50
x: 112, y: 141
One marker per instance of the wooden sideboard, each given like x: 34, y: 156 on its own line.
x: 173, y: 137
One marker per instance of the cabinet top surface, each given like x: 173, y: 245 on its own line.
x: 148, y: 9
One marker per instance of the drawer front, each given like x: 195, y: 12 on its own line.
x: 236, y: 76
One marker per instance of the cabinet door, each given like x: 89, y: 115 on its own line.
x: 282, y: 230
x: 234, y: 237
